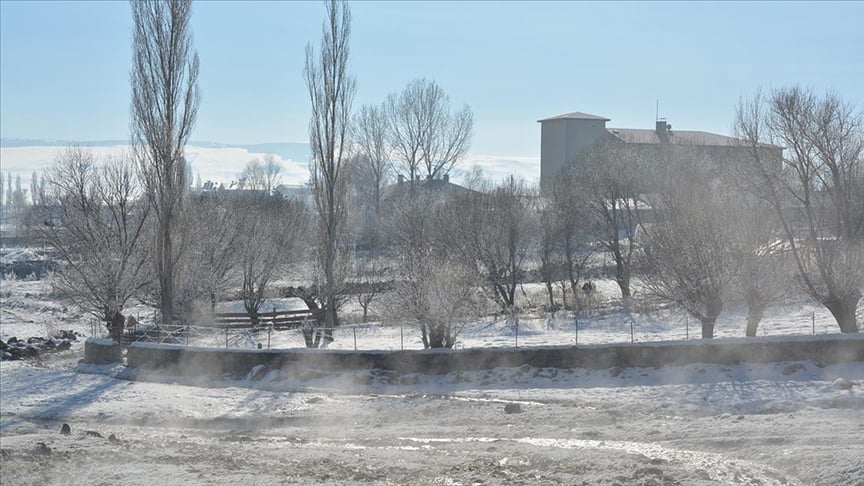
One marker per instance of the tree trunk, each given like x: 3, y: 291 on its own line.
x: 166, y: 276
x: 436, y: 336
x: 425, y: 335
x: 754, y: 316
x: 708, y: 327
x: 115, y: 327
x: 331, y: 320
x: 713, y: 308
x: 550, y: 291
x: 843, y: 309
x: 622, y: 277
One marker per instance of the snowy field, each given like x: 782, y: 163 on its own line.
x: 782, y: 423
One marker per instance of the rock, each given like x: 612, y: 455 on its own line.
x: 65, y: 429
x: 12, y: 340
x: 3, y: 346
x: 615, y: 371
x: 258, y: 372
x: 43, y: 449
x: 842, y: 384
x: 307, y: 375
x: 113, y: 438
x: 31, y: 351
x: 93, y: 433
x: 512, y: 408
x: 64, y: 345
x: 789, y: 369
x: 6, y: 356
x: 35, y: 340
x: 409, y: 380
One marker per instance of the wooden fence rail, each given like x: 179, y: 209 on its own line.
x: 228, y: 321
x: 279, y: 320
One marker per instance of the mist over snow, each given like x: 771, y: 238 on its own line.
x: 220, y: 162
x: 215, y: 162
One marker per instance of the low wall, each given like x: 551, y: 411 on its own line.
x: 100, y: 351
x: 215, y: 362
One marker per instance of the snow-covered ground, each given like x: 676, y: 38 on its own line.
x: 700, y: 424
x: 780, y: 423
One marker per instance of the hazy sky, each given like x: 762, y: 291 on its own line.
x: 65, y: 65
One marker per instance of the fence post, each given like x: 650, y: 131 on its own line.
x: 813, y: 321
x: 632, y: 340
x: 577, y: 330
x: 517, y: 333
x: 355, y: 339
x: 402, y: 338
x: 226, y: 338
x: 269, y: 331
x: 687, y: 324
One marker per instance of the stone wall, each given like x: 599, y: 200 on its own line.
x: 216, y: 362
x: 101, y: 351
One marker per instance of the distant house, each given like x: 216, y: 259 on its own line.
x: 564, y: 139
x: 438, y: 189
x: 298, y: 192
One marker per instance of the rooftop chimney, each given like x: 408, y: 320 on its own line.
x: 662, y: 127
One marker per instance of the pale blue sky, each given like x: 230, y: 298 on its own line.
x: 64, y: 65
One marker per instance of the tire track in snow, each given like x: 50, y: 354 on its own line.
x: 720, y: 468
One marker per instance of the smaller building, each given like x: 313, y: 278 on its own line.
x: 437, y: 189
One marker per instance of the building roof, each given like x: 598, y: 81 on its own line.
x: 575, y: 116
x: 674, y: 137
x: 436, y: 187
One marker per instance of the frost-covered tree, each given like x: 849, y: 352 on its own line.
x: 271, y: 230
x: 426, y: 136
x: 436, y: 288
x: 165, y: 98
x: 92, y: 215
x: 816, y: 190
x: 688, y: 248
x: 610, y: 180
x: 262, y: 176
x: 331, y: 91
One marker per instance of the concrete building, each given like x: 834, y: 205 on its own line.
x: 565, y: 138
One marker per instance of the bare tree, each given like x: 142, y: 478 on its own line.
x: 570, y: 218
x: 262, y: 176
x: 688, y: 249
x: 331, y: 91
x: 816, y: 188
x: 92, y: 217
x: 424, y: 133
x: 164, y: 82
x: 611, y: 179
x: 494, y: 233
x: 9, y: 191
x: 370, y: 283
x: 271, y: 229
x: 438, y: 294
x: 215, y: 227
x: 436, y: 289
x: 763, y: 270
x: 370, y: 133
